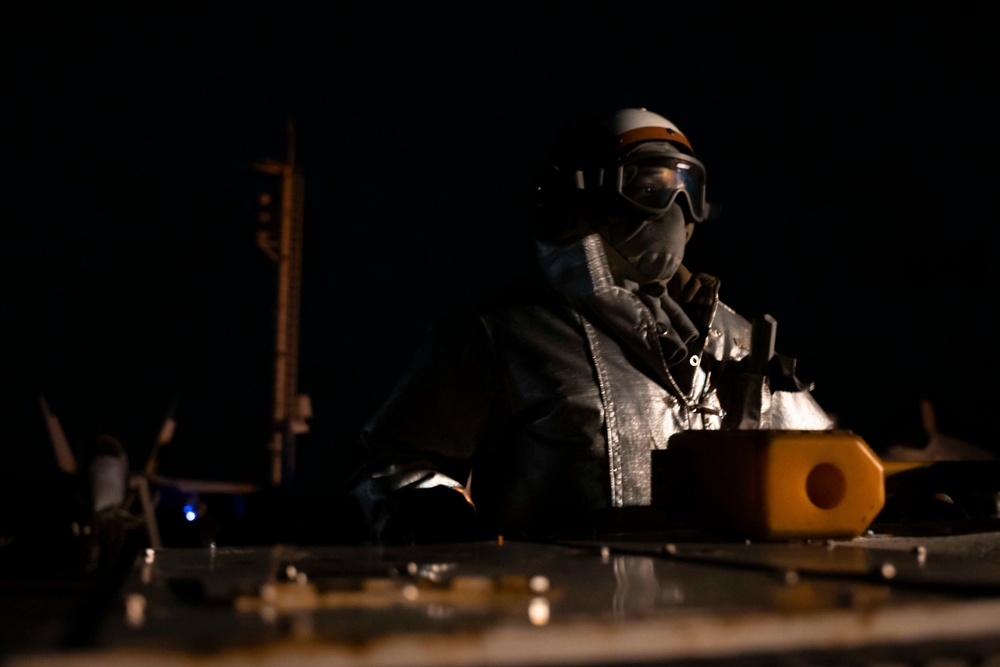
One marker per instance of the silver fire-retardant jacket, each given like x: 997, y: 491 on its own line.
x: 542, y: 408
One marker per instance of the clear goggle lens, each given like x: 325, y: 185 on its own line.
x: 654, y: 182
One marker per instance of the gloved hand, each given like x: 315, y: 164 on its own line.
x: 699, y: 289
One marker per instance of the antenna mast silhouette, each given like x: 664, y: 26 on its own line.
x: 283, y: 244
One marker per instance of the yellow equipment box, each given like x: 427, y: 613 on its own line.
x: 770, y: 484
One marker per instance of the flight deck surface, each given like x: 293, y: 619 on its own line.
x: 874, y: 600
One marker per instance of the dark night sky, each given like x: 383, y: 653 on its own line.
x: 852, y: 150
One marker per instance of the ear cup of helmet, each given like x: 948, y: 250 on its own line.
x: 565, y: 209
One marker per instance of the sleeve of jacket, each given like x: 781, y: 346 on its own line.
x: 418, y: 447
x: 774, y: 397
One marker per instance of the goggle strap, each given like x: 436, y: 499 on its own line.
x: 580, y: 179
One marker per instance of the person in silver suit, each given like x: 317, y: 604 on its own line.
x: 533, y: 413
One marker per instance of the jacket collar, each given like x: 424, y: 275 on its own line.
x: 581, y: 273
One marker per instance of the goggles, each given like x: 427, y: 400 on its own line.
x: 653, y: 180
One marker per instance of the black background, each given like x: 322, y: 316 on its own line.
x: 851, y: 148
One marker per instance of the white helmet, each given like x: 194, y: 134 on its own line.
x: 631, y: 157
x: 632, y: 126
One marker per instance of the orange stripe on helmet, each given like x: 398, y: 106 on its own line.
x: 650, y: 133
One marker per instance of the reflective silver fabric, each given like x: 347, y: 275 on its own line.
x: 552, y: 397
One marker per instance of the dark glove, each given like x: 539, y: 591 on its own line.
x: 701, y: 289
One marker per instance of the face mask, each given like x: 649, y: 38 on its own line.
x: 648, y: 250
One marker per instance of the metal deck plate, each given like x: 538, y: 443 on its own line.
x: 521, y: 603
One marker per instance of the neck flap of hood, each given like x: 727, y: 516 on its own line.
x: 580, y: 271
